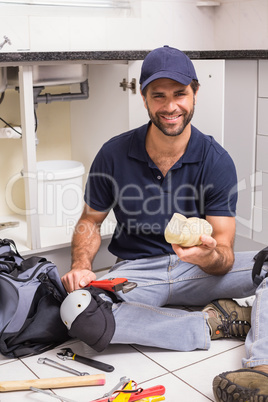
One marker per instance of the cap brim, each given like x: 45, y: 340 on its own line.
x: 181, y: 78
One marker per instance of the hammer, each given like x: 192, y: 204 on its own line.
x: 56, y: 382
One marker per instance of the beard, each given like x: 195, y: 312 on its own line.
x: 169, y: 130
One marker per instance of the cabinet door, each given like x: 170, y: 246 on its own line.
x: 106, y: 113
x: 103, y: 115
x: 263, y: 79
x: 260, y: 228
x: 240, y: 134
x: 209, y: 109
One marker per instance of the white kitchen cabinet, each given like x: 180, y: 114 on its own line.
x: 93, y: 121
x: 226, y: 109
x: 240, y: 114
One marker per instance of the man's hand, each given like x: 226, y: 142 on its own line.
x: 77, y: 279
x: 197, y: 254
x: 215, y: 255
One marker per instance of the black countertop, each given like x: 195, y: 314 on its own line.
x: 20, y: 58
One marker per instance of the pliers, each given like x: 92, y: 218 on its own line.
x: 114, y: 284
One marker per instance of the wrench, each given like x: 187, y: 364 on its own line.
x: 123, y: 380
x: 52, y: 363
x: 67, y: 353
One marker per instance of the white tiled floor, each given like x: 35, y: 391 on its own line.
x: 187, y: 376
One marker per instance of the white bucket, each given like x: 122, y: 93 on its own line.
x: 60, y: 193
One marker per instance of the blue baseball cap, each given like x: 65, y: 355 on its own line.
x: 167, y: 62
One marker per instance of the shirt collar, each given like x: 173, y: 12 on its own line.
x: 193, y: 153
x: 137, y: 148
x: 195, y: 147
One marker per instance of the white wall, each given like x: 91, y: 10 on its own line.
x: 241, y: 24
x: 149, y: 24
x: 235, y: 24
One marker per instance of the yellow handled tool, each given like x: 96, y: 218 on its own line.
x: 124, y: 396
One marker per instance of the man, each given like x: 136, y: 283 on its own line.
x: 145, y: 175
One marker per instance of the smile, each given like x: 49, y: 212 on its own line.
x: 171, y: 117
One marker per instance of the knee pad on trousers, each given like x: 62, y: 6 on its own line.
x: 88, y: 317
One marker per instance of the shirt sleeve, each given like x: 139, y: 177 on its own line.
x: 221, y: 187
x: 101, y: 188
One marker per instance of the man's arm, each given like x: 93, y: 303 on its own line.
x: 215, y: 255
x: 85, y: 245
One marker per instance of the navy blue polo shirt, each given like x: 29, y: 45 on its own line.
x: 124, y: 178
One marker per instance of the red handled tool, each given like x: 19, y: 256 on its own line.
x: 114, y: 284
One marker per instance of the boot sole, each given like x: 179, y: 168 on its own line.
x: 226, y: 391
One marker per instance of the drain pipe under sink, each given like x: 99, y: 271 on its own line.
x: 48, y: 98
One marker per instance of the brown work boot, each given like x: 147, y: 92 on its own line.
x: 245, y: 385
x: 227, y: 319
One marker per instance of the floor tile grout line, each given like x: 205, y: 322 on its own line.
x: 189, y: 385
x: 167, y: 373
x: 187, y: 365
x: 171, y: 372
x: 154, y: 378
x: 50, y: 389
x: 206, y: 358
x: 152, y: 360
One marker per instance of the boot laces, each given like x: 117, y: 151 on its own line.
x: 232, y: 327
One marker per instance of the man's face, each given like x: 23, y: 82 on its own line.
x: 170, y: 105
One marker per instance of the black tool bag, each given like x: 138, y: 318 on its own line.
x: 31, y: 293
